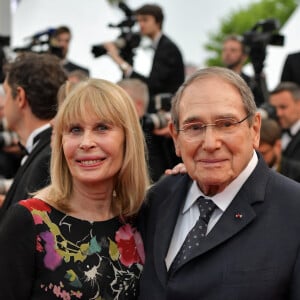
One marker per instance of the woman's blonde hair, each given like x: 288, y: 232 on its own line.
x: 110, y: 103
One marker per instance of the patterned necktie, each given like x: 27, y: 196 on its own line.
x: 198, y: 232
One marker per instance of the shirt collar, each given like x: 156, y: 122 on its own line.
x: 295, y: 127
x: 223, y: 199
x: 156, y: 40
x: 34, y: 133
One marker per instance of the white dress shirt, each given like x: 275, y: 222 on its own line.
x: 29, y: 143
x: 190, y: 211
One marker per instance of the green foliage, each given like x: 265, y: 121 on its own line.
x: 243, y: 19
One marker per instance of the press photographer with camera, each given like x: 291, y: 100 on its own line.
x: 160, y: 155
x: 62, y: 38
x: 167, y: 72
x: 234, y: 55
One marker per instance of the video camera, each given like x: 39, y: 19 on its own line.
x: 42, y: 42
x: 127, y: 40
x: 262, y: 34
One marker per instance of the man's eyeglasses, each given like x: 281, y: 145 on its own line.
x: 196, y: 129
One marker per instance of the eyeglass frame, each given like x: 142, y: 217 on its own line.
x: 204, y: 126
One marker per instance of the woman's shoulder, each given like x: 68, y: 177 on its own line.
x: 36, y: 204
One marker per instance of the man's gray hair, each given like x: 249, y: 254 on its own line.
x: 225, y: 74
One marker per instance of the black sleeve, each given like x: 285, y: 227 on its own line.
x: 17, y: 254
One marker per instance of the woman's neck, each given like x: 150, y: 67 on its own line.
x: 92, y: 204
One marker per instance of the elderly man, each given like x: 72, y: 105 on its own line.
x: 229, y: 229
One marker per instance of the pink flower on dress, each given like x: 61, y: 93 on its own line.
x: 52, y: 259
x: 130, y: 245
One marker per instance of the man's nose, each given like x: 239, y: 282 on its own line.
x: 211, y: 139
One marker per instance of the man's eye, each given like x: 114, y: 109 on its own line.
x: 226, y: 123
x: 194, y: 127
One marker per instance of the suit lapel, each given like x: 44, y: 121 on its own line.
x: 44, y: 140
x: 239, y: 214
x: 166, y: 221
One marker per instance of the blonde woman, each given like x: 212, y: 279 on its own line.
x: 77, y: 239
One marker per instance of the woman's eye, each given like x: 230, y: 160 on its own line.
x: 102, y: 127
x: 75, y: 129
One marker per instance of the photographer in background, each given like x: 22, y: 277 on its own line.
x: 167, y: 72
x: 160, y: 154
x: 234, y: 55
x: 61, y: 38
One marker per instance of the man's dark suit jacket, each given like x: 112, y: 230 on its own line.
x: 293, y: 148
x: 255, y: 84
x: 253, y: 252
x: 70, y: 67
x: 32, y: 175
x: 291, y: 68
x: 167, y: 72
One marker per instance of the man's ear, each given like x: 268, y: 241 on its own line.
x: 21, y: 97
x: 256, y: 130
x: 174, y: 134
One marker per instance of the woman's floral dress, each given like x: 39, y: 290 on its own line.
x: 62, y: 257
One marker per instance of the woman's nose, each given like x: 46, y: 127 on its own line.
x: 87, y: 140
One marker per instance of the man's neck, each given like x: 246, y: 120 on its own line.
x: 155, y: 35
x: 237, y: 69
x: 26, y: 131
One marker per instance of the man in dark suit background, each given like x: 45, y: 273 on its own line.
x: 270, y: 148
x: 249, y: 247
x: 62, y: 38
x: 31, y: 85
x: 167, y: 72
x: 291, y: 68
x: 286, y: 100
x: 158, y: 155
x: 234, y: 55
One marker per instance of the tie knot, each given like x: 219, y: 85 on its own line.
x: 206, y: 208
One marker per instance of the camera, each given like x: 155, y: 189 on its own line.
x: 161, y: 117
x: 42, y: 42
x: 262, y: 34
x: 127, y: 40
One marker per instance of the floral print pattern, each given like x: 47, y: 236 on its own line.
x: 85, y: 260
